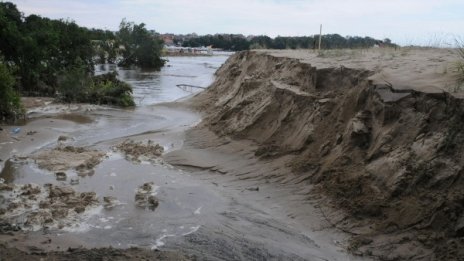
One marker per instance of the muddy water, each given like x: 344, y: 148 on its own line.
x: 182, y: 200
x: 193, y: 216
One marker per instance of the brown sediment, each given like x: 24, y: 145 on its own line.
x: 138, y: 151
x: 389, y: 159
x: 63, y: 158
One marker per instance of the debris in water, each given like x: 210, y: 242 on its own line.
x: 144, y: 196
x: 16, y: 130
x: 109, y: 202
x: 74, y: 181
x: 63, y: 138
x: 60, y: 176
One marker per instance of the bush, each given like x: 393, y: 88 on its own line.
x: 107, y: 89
x: 10, y: 102
x: 77, y: 86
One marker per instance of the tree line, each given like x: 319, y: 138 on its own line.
x: 237, y: 42
x: 44, y: 57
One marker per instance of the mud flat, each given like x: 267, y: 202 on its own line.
x: 372, y: 139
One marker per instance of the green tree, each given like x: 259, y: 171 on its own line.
x: 10, y: 103
x: 141, y: 48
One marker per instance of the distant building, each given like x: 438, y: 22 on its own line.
x: 168, y: 39
x: 173, y: 50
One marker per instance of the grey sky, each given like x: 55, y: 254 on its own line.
x: 404, y: 21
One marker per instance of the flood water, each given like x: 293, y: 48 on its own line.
x: 193, y: 216
x: 155, y: 87
x: 182, y: 201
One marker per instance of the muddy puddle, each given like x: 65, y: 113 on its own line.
x: 139, y: 201
x: 184, y: 204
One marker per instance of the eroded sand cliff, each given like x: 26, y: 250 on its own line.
x: 390, y: 159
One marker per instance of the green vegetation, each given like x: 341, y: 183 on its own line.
x: 47, y: 57
x: 10, y: 104
x: 140, y: 47
x: 224, y: 41
x: 78, y: 86
x: 237, y: 42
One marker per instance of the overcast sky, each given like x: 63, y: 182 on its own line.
x: 428, y: 22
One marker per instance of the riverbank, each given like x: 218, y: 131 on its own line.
x: 374, y: 131
x: 198, y: 214
x: 293, y: 159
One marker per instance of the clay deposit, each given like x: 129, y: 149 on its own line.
x: 378, y: 132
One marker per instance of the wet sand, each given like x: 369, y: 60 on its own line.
x: 201, y: 211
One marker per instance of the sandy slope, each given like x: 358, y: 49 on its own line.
x: 377, y: 131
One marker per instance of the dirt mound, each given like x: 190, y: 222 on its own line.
x: 392, y: 159
x: 138, y: 151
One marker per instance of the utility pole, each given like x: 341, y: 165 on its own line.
x: 320, y: 37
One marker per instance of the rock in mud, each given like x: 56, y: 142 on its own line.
x: 74, y: 181
x: 60, y: 176
x: 145, y: 198
x: 63, y: 138
x: 109, y: 202
x: 152, y: 201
